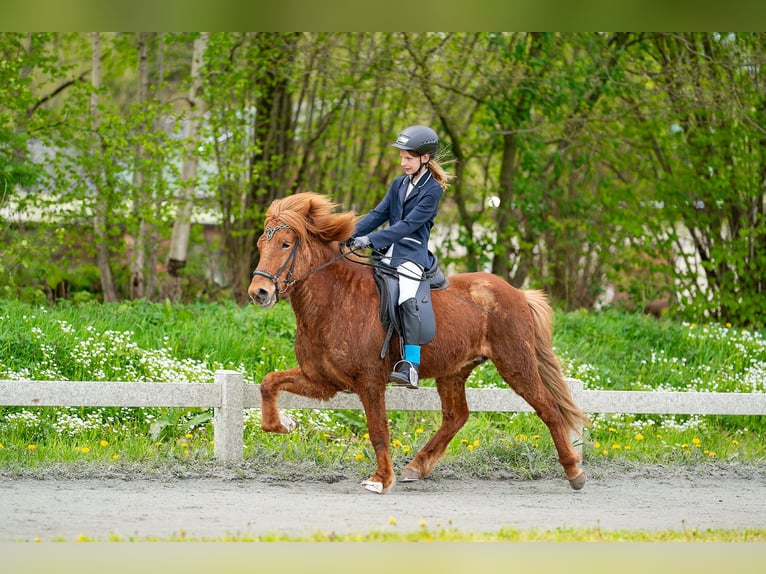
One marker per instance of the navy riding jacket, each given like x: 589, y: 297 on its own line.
x: 410, y: 221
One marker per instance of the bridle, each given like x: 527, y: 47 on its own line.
x: 288, y: 281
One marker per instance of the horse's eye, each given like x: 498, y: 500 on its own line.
x: 285, y: 245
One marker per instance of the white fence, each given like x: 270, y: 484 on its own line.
x: 228, y: 395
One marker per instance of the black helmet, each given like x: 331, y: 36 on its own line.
x: 420, y: 139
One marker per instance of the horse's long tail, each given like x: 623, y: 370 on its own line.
x: 548, y: 364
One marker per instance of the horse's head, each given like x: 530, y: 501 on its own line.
x: 294, y: 226
x: 278, y: 247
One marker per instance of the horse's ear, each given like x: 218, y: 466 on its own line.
x: 311, y: 209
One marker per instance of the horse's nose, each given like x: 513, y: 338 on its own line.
x: 260, y: 296
x: 263, y: 295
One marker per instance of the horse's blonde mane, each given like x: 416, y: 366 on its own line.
x: 312, y: 214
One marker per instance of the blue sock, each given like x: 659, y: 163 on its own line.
x: 412, y: 354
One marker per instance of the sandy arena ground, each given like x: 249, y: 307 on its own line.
x: 55, y: 507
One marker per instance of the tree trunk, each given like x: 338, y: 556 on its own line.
x: 179, y: 241
x: 138, y: 260
x: 101, y: 237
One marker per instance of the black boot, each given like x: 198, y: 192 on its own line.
x: 405, y: 373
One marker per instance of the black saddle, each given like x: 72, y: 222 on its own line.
x: 387, y: 283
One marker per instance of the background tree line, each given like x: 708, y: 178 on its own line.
x: 584, y: 160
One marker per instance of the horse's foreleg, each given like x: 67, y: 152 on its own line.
x: 374, y: 403
x: 454, y: 415
x: 294, y: 381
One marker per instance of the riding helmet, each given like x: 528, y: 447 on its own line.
x: 419, y: 139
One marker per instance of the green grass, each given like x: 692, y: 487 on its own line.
x: 142, y: 341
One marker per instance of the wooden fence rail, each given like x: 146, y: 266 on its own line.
x: 229, y: 396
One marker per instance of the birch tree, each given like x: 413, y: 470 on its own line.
x: 179, y: 241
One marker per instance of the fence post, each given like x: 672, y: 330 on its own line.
x: 228, y: 418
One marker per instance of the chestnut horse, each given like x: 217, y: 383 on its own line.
x: 339, y: 337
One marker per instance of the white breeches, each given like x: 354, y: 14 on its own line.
x: 409, y: 280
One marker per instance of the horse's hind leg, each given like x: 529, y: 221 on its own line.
x: 454, y: 415
x: 524, y: 378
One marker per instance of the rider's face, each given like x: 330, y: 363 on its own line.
x: 411, y: 162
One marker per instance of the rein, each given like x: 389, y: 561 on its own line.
x: 289, y: 281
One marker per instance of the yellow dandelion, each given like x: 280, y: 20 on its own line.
x: 392, y: 521
x: 628, y: 447
x: 693, y: 326
x: 186, y: 452
x: 104, y: 443
x: 82, y: 538
x: 1, y: 446
x: 406, y: 448
x: 639, y: 436
x: 189, y: 435
x: 616, y: 447
x: 85, y: 450
x: 422, y: 523
x: 711, y: 453
x: 735, y: 442
x: 596, y: 445
x: 396, y: 444
x: 476, y: 442
x: 418, y: 430
x: 358, y: 456
x: 696, y: 442
x: 612, y: 429
x: 32, y: 447
x: 605, y: 452
x: 728, y: 325
x: 115, y: 457
x: 659, y: 437
x: 463, y: 441
x: 366, y: 436
x: 37, y: 539
x: 470, y: 447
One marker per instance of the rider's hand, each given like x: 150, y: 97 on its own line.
x: 361, y: 242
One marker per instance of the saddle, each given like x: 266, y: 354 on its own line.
x: 387, y: 283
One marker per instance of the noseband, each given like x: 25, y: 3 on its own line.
x: 288, y: 281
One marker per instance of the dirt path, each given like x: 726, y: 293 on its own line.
x: 212, y: 507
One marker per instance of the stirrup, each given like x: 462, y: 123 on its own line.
x: 406, y: 376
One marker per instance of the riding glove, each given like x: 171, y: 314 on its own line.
x: 361, y: 242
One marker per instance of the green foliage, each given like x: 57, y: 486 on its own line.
x: 585, y: 161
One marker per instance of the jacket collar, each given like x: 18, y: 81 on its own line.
x: 422, y: 180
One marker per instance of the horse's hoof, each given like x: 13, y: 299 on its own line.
x: 288, y: 422
x: 373, y: 486
x: 410, y: 475
x: 578, y: 481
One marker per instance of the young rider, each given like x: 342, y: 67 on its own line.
x: 409, y: 207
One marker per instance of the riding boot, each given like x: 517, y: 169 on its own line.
x: 406, y: 371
